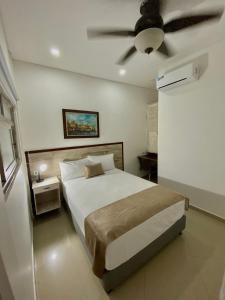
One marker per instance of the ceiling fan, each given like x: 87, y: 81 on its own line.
x: 150, y: 30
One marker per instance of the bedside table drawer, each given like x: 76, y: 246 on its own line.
x: 44, y: 189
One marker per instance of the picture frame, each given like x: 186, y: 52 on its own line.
x: 80, y: 124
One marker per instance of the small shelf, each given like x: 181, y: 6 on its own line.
x: 46, y: 207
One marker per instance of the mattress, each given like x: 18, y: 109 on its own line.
x: 87, y: 195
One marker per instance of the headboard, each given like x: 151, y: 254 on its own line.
x: 52, y: 157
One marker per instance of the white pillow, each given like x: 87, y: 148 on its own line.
x: 73, y: 169
x: 107, y: 161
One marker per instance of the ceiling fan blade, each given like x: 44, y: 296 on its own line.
x: 127, y: 56
x: 150, y: 7
x: 165, y: 50
x: 163, y: 6
x: 109, y: 33
x: 189, y: 21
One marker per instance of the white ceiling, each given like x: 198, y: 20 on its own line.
x: 33, y: 26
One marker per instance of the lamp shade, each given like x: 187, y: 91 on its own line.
x: 43, y: 167
x: 149, y: 38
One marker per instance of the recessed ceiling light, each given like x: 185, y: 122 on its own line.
x: 53, y: 256
x: 122, y: 72
x: 55, y: 52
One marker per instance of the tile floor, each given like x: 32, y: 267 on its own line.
x: 190, y: 268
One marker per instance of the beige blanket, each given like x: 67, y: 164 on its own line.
x: 110, y: 222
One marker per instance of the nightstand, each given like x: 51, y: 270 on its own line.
x: 46, y: 195
x: 149, y: 163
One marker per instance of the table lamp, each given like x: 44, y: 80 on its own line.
x: 42, y: 168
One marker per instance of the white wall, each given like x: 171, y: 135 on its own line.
x: 5, y: 287
x: 44, y: 92
x: 16, y: 239
x: 16, y: 246
x: 191, y: 131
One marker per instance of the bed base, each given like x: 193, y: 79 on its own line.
x: 112, y: 279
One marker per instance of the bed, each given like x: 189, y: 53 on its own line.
x: 127, y: 253
x: 131, y: 250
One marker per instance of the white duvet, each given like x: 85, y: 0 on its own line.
x: 87, y: 195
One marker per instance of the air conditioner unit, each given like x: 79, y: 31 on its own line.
x: 175, y: 78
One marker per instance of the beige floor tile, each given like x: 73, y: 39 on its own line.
x: 190, y: 268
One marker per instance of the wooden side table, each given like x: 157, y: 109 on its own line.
x: 46, y: 195
x: 149, y: 163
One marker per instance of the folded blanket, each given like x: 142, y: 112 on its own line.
x: 110, y: 222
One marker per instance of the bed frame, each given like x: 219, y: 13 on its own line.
x: 112, y: 279
x: 52, y: 157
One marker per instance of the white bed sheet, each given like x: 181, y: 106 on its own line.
x: 87, y: 195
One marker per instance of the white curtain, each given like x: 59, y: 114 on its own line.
x: 153, y: 128
x: 6, y: 74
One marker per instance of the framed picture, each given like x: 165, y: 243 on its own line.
x: 80, y: 124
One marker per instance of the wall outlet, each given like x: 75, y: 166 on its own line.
x: 35, y: 173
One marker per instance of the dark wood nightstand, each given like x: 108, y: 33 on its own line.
x: 149, y: 162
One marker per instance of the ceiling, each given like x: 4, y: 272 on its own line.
x: 33, y: 26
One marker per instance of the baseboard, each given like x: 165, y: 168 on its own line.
x: 33, y: 260
x: 208, y: 213
x: 205, y: 201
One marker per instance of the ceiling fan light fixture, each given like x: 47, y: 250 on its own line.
x: 149, y: 38
x: 150, y: 29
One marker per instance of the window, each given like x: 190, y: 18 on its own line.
x: 9, y: 158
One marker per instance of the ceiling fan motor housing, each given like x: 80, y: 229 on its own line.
x: 149, y: 38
